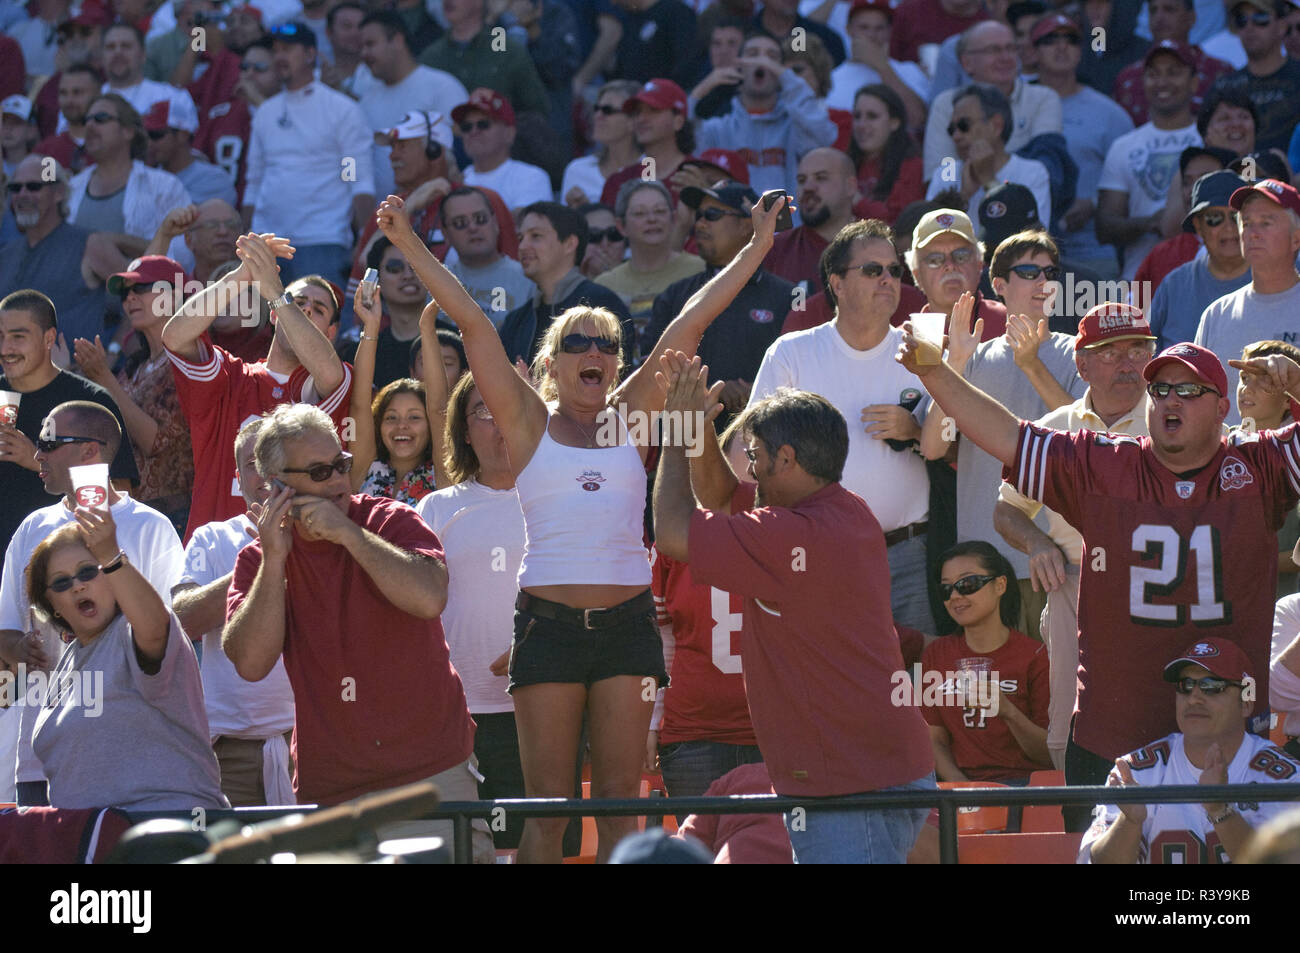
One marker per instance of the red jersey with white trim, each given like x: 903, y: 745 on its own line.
x: 982, y: 744
x: 223, y: 138
x: 1182, y: 833
x: 219, y: 395
x: 706, y: 698
x: 1168, y: 559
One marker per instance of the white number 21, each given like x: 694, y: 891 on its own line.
x: 1164, y: 543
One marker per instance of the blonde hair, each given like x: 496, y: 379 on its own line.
x: 607, y: 324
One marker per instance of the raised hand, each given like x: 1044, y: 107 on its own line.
x: 258, y: 256
x: 1277, y: 373
x: 1024, y: 335
x: 685, y: 384
x: 962, y: 337
x: 93, y: 360
x: 393, y: 219
x: 765, y: 221
x: 372, y: 315
x: 275, y: 522
x: 180, y: 219
x: 1122, y: 777
x: 98, y: 532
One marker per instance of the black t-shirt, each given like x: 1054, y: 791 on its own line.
x: 659, y: 42
x: 392, y: 357
x: 1274, y: 97
x: 23, y: 490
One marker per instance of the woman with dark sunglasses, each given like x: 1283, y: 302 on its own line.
x: 616, y: 148
x: 122, y: 723
x: 585, y: 635
x: 988, y: 722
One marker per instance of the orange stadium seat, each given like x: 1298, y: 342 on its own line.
x: 1019, y: 848
x: 978, y: 820
x: 1043, y: 818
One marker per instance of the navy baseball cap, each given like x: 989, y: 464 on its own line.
x: 732, y: 194
x: 1212, y: 189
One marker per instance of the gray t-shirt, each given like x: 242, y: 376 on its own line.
x: 993, y: 370
x: 498, y: 289
x: 103, y: 214
x: 1091, y: 122
x: 1187, y: 291
x: 204, y: 181
x: 114, y: 736
x: 1244, y: 317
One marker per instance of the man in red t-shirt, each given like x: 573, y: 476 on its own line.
x: 220, y: 393
x: 827, y: 188
x: 819, y: 656
x: 224, y: 127
x: 1178, y: 532
x: 349, y: 589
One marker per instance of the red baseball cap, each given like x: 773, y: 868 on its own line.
x: 487, y: 101
x: 1112, y: 321
x: 148, y: 270
x: 1218, y: 656
x: 1204, y: 364
x: 880, y: 5
x: 1180, y: 50
x: 1057, y: 21
x: 88, y: 17
x: 175, y: 112
x: 731, y: 164
x: 658, y: 94
x: 1282, y: 193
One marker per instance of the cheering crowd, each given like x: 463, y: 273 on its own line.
x: 474, y: 412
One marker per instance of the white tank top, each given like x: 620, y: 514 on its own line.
x: 583, y: 515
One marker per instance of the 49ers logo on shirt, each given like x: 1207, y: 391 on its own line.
x: 762, y: 316
x: 591, y: 480
x: 1234, y: 475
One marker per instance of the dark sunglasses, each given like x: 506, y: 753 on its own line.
x: 1259, y: 18
x: 1031, y: 272
x: 1213, y: 219
x: 52, y: 444
x: 461, y: 222
x: 966, y: 585
x: 611, y: 234
x: 139, y: 289
x: 156, y: 134
x: 581, y: 343
x: 480, y: 124
x: 255, y: 67
x: 1187, y: 391
x: 320, y: 472
x: 874, y: 269
x: 101, y: 118
x: 608, y: 110
x: 16, y: 187
x: 87, y: 573
x: 717, y: 214
x: 1209, y: 685
x: 962, y: 125
x: 395, y: 266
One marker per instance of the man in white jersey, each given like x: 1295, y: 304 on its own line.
x: 1216, y: 694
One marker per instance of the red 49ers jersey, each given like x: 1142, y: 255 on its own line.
x: 706, y: 698
x: 223, y: 138
x: 1168, y: 559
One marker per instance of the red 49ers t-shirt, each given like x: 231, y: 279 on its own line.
x: 219, y: 395
x: 706, y: 698
x: 982, y: 744
x: 1168, y: 559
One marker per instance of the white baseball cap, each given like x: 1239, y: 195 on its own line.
x: 19, y: 106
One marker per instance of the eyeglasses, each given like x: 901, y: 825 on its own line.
x: 874, y: 269
x: 84, y: 574
x: 608, y: 110
x: 958, y: 256
x: 962, y: 125
x: 49, y: 445
x: 1136, y: 353
x: 611, y: 234
x: 1031, y: 272
x: 1259, y: 18
x: 966, y: 585
x: 1214, y: 219
x: 320, y: 472
x: 156, y: 134
x: 480, y: 124
x: 101, y: 118
x: 462, y: 222
x: 581, y: 343
x: 255, y: 67
x: 481, y: 412
x: 994, y: 50
x: 716, y: 214
x: 395, y: 266
x: 1209, y: 685
x: 1054, y: 38
x: 1186, y: 391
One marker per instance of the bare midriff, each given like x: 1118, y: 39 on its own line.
x: 579, y: 596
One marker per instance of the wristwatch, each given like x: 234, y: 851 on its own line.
x: 117, y: 563
x: 1227, y: 812
x: 283, y: 301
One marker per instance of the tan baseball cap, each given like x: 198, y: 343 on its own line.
x: 942, y: 222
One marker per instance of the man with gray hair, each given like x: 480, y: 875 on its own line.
x: 349, y: 589
x: 1265, y: 309
x: 819, y: 660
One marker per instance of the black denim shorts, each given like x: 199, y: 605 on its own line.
x: 545, y: 650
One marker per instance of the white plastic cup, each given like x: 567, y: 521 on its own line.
x: 90, y: 486
x: 927, y: 328
x: 9, y: 401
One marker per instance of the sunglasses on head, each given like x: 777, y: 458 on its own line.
x: 1187, y: 391
x: 480, y: 124
x: 461, y: 222
x: 874, y: 269
x: 1259, y: 18
x: 611, y: 234
x: 581, y: 343
x: 101, y: 118
x: 966, y: 585
x: 958, y: 256
x: 1209, y: 685
x: 49, y: 445
x: 320, y: 472
x: 716, y: 214
x: 1031, y: 272
x: 962, y: 125
x: 608, y: 110
x: 16, y: 187
x: 84, y: 574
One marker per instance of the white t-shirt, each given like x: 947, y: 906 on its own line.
x: 1284, y: 684
x: 849, y: 77
x: 145, y: 93
x: 145, y: 535
x: 518, y: 183
x: 1030, y: 173
x: 1182, y: 833
x: 585, y: 173
x: 384, y: 106
x: 235, y: 707
x: 894, y: 483
x: 1142, y: 164
x: 482, y: 535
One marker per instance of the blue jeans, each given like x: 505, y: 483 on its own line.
x: 908, y: 595
x: 689, y: 767
x: 859, y: 837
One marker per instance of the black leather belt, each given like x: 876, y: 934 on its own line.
x: 905, y: 532
x: 586, y: 618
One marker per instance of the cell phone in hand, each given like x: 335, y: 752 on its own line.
x: 783, y: 220
x: 368, y: 285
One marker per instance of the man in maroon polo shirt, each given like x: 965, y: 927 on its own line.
x: 819, y: 656
x: 349, y: 589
